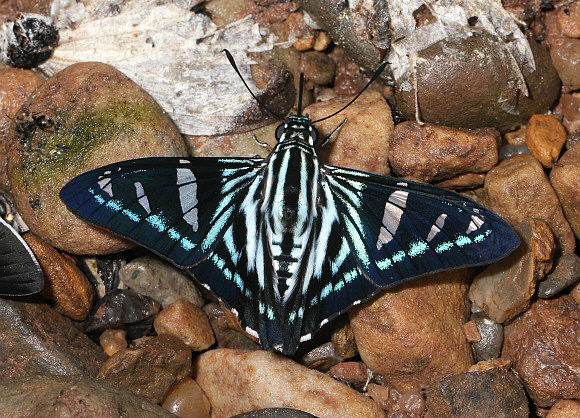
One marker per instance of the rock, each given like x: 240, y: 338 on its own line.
x: 275, y: 413
x: 72, y: 396
x: 518, y: 189
x: 86, y: 116
x: 187, y: 322
x: 491, y: 393
x: 413, y: 334
x: 343, y: 339
x: 566, y: 58
x: 484, y: 365
x: 317, y: 67
x: 321, y: 358
x: 508, y: 151
x: 379, y: 394
x: 517, y: 137
x: 149, y: 368
x: 429, y: 152
x: 363, y: 141
x: 471, y: 332
x: 565, y: 274
x: 227, y: 334
x: 35, y: 339
x: 575, y: 293
x: 565, y: 409
x: 489, y: 346
x: 569, y: 106
x: 64, y: 283
x: 353, y: 372
x: 321, y: 41
x: 410, y: 403
x: 261, y: 379
x: 545, y: 137
x: 113, y: 340
x: 187, y: 400
x: 543, y: 346
x: 503, y: 290
x: 15, y: 87
x: 565, y: 178
x: 150, y: 276
x: 468, y: 82
x: 568, y: 18
x: 122, y: 308
x: 462, y: 182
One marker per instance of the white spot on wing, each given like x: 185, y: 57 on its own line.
x: 391, y: 220
x: 252, y: 332
x: 399, y: 198
x: 475, y: 224
x: 305, y: 337
x: 106, y: 186
x: 142, y: 197
x: 436, y: 228
x: 187, y: 196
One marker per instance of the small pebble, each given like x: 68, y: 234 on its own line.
x: 187, y: 400
x: 471, y: 332
x: 491, y: 337
x: 517, y: 137
x: 565, y: 178
x: 321, y: 41
x: 353, y: 372
x: 322, y: 357
x: 565, y: 273
x: 508, y: 151
x: 545, y: 137
x: 483, y: 365
x: 565, y: 57
x: 303, y: 44
x: 228, y: 333
x: 343, y: 340
x: 317, y: 67
x: 569, y: 106
x: 113, y: 340
x: 569, y: 19
x: 379, y: 394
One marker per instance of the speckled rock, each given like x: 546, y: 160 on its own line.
x: 187, y: 322
x: 545, y: 137
x: 429, y: 152
x: 565, y: 409
x: 566, y: 272
x: 85, y: 116
x: 413, y: 335
x: 566, y: 58
x: 565, y: 178
x: 503, y: 290
x: 150, y: 367
x: 363, y: 141
x: 150, y: 276
x: 569, y: 106
x: 353, y: 372
x: 491, y: 334
x: 64, y: 283
x: 72, y: 396
x: 187, y: 400
x: 35, y: 339
x: 543, y: 346
x: 492, y: 393
x: 261, y: 379
x: 518, y: 189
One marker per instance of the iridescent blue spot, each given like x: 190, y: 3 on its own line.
x: 114, y: 204
x: 248, y: 293
x: 292, y: 316
x: 398, y: 256
x: 444, y: 247
x: 339, y: 285
x: 132, y: 215
x: 350, y: 276
x: 462, y: 240
x: 238, y: 281
x: 325, y: 291
x: 417, y: 248
x: 227, y: 274
x: 157, y: 222
x: 300, y: 312
x: 261, y: 308
x: 479, y: 238
x: 314, y: 301
x: 384, y: 264
x: 99, y: 199
x: 173, y: 234
x: 270, y: 313
x: 186, y: 244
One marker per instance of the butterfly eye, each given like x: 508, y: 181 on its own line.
x: 280, y: 131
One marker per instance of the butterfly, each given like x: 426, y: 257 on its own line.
x: 287, y: 242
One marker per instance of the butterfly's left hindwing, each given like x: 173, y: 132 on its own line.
x: 177, y: 207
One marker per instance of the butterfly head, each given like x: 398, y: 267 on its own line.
x: 297, y: 128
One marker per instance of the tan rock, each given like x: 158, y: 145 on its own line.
x: 518, y: 189
x: 187, y: 322
x: 321, y: 41
x: 471, y: 332
x: 64, y: 284
x: 545, y: 137
x: 575, y: 292
x: 566, y: 408
x: 462, y: 181
x: 237, y: 381
x: 569, y: 20
x: 503, y: 290
x: 483, y: 365
x: 413, y: 335
x: 186, y: 399
x: 543, y: 346
x: 353, y: 372
x: 113, y: 340
x: 430, y: 152
x: 569, y: 106
x: 565, y: 179
x: 517, y: 137
x: 363, y: 141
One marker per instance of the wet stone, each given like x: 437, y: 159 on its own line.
x: 113, y: 340
x: 542, y: 343
x: 35, y: 339
x: 566, y: 272
x: 379, y: 394
x: 565, y: 178
x: 508, y: 151
x: 275, y: 413
x: 321, y: 358
x: 187, y: 400
x: 545, y: 137
x: 150, y: 367
x: 491, y: 337
x: 569, y: 106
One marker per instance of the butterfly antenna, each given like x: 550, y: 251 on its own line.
x: 233, y: 64
x: 300, y: 94
x: 373, y: 78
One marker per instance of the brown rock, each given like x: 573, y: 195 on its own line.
x: 237, y: 381
x: 481, y: 366
x: 150, y: 368
x: 352, y: 372
x: 343, y: 340
x: 569, y: 106
x: 462, y: 181
x: 35, y: 340
x: 303, y: 44
x: 113, y: 340
x: 186, y: 399
x: 317, y: 67
x: 566, y: 57
x: 379, y: 394
x: 566, y: 273
x: 471, y: 332
x: 72, y: 396
x: 414, y: 350
x: 321, y: 358
x: 517, y: 137
x: 83, y: 117
x: 543, y: 346
x: 518, y: 189
x: 565, y: 179
x: 363, y: 141
x: 545, y: 137
x: 429, y: 152
x: 227, y: 333
x: 575, y: 293
x: 569, y: 20
x: 321, y: 41
x: 503, y: 290
x: 64, y: 283
x: 409, y: 403
x: 565, y: 409
x: 187, y: 322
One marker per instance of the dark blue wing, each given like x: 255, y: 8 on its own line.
x: 20, y: 273
x: 177, y: 207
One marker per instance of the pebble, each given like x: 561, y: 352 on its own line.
x: 491, y: 393
x: 317, y: 67
x: 518, y: 188
x: 85, y: 116
x: 508, y: 151
x: 565, y: 178
x: 260, y: 379
x: 353, y: 372
x: 380, y: 394
x: 565, y: 409
x: 343, y: 340
x: 72, y: 396
x: 363, y: 141
x: 566, y: 58
x: 542, y: 343
x: 566, y: 273
x: 187, y: 400
x: 428, y: 152
x: 113, y: 340
x: 569, y: 106
x: 462, y: 181
x: 227, y: 334
x: 321, y: 41
x: 36, y: 340
x: 504, y: 289
x: 150, y: 276
x: 150, y: 367
x: 123, y: 308
x: 321, y: 358
x: 275, y: 413
x: 517, y: 137
x: 545, y: 137
x: 483, y: 365
x: 64, y: 283
x: 491, y: 337
x: 575, y: 293
x: 413, y: 334
x: 568, y: 20
x: 471, y: 332
x: 187, y: 322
